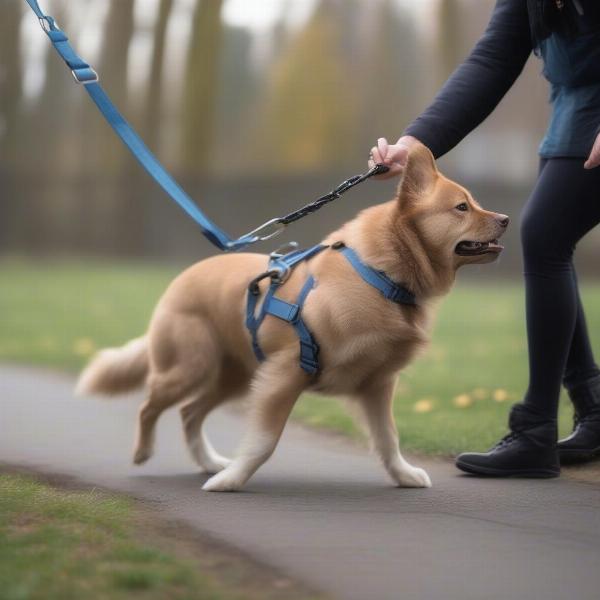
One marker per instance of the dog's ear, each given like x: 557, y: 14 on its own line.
x: 419, y: 175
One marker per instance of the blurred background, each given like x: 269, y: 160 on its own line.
x: 256, y: 107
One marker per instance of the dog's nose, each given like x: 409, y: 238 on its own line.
x: 503, y: 220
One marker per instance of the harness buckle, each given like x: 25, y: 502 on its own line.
x: 267, y: 230
x: 85, y: 76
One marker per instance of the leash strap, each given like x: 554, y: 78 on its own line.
x: 333, y: 195
x: 87, y: 76
x: 378, y: 279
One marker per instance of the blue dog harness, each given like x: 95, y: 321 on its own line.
x: 280, y: 266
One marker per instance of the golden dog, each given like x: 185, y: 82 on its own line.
x: 198, y: 351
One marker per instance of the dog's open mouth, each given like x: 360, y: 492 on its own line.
x: 467, y: 248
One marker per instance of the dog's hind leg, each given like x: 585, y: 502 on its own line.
x: 184, y: 359
x: 276, y: 387
x: 193, y: 414
x: 376, y: 402
x: 158, y: 400
x: 233, y: 382
x: 163, y: 394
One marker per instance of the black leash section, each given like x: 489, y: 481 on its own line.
x: 378, y: 169
x: 278, y: 224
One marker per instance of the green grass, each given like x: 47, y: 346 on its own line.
x: 62, y: 545
x: 57, y: 314
x: 456, y: 396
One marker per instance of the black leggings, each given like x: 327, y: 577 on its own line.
x: 563, y: 207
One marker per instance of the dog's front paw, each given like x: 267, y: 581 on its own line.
x: 215, y: 464
x: 224, y: 481
x: 413, y: 477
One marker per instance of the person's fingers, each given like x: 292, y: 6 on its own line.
x: 382, y: 146
x: 593, y: 159
x: 398, y: 153
x: 393, y: 156
x: 376, y: 155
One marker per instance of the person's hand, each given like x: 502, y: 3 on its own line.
x: 594, y: 157
x: 393, y: 156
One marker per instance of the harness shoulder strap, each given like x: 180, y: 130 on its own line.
x: 378, y: 279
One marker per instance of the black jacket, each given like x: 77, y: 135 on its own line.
x: 480, y: 82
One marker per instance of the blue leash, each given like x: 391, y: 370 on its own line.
x: 85, y: 75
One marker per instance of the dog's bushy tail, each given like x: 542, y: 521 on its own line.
x: 115, y: 370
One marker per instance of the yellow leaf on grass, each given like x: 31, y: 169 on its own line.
x: 500, y: 395
x: 463, y: 401
x: 423, y: 405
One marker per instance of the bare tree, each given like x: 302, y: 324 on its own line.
x: 10, y: 82
x: 200, y: 85
x: 112, y: 64
x: 152, y: 110
x: 449, y: 37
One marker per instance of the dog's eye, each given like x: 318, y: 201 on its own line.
x: 463, y: 207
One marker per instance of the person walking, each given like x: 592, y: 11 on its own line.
x: 563, y: 207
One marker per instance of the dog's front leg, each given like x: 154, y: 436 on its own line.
x: 376, y: 402
x: 275, y: 389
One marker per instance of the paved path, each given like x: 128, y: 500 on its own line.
x: 322, y: 510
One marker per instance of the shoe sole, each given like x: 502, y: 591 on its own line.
x: 491, y: 472
x: 578, y: 456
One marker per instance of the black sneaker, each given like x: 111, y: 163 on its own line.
x: 529, y: 450
x: 583, y: 444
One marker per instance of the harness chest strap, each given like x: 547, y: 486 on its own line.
x: 292, y: 312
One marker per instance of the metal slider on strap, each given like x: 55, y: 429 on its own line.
x: 85, y: 75
x: 48, y: 24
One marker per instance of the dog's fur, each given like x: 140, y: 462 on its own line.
x: 197, y: 351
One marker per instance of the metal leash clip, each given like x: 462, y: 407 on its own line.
x: 272, y: 228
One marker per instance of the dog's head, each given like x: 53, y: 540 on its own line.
x: 452, y: 227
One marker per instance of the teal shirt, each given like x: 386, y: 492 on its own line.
x: 572, y: 66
